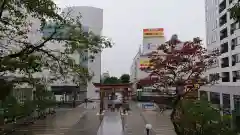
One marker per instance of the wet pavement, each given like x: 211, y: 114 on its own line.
x: 65, y: 122
x: 134, y: 122
x: 111, y: 124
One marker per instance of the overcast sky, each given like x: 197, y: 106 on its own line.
x: 125, y: 19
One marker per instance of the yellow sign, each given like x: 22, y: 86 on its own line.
x: 157, y: 32
x: 144, y: 63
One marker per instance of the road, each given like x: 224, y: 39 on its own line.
x: 65, y: 122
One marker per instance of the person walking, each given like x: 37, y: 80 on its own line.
x: 148, y: 128
x: 94, y: 105
x: 86, y: 101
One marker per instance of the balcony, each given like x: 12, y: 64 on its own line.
x: 225, y: 62
x: 223, y: 34
x: 223, y: 20
x: 224, y: 48
x: 225, y: 77
x: 222, y: 6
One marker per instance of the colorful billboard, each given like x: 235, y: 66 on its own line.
x: 144, y: 63
x: 156, y: 32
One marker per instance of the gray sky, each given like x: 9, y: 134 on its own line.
x: 125, y: 19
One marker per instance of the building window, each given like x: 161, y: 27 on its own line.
x: 225, y: 62
x: 226, y: 104
x: 214, y: 77
x: 235, y: 59
x: 225, y: 77
x: 224, y: 48
x: 222, y: 6
x: 223, y: 20
x: 215, y: 98
x: 235, y: 42
x: 223, y: 33
x: 233, y: 27
x: 213, y: 63
x: 236, y: 76
x: 236, y: 99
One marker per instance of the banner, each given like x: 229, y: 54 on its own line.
x: 157, y: 32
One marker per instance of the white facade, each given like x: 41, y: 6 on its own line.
x: 149, y: 44
x: 105, y: 75
x: 224, y: 35
x: 93, y: 19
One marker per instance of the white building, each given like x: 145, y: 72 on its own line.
x: 152, y: 38
x: 92, y: 20
x: 105, y: 75
x: 223, y: 34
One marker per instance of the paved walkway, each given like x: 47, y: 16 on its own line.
x: 134, y: 122
x: 161, y: 123
x: 111, y: 124
x: 64, y: 121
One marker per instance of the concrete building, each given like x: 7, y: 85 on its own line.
x: 92, y: 18
x: 92, y: 21
x: 223, y: 34
x: 152, y: 38
x: 105, y: 75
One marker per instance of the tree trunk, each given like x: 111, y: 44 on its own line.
x: 175, y: 105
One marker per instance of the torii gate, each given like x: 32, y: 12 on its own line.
x: 106, y: 89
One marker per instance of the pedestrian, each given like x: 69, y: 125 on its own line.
x: 94, y: 105
x: 85, y: 100
x: 148, y: 128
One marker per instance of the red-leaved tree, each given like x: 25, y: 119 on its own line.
x: 181, y: 65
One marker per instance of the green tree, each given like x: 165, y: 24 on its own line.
x: 201, y: 118
x: 20, y: 54
x: 235, y: 11
x: 125, y: 78
x: 181, y: 65
x: 111, y: 80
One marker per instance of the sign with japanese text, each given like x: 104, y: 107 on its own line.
x: 156, y: 32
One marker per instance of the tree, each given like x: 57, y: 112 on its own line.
x: 235, y: 11
x: 125, y: 78
x: 111, y: 80
x: 200, y: 118
x: 181, y: 65
x: 22, y: 55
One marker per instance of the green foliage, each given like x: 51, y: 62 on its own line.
x: 235, y: 11
x: 22, y: 55
x: 111, y: 80
x: 11, y: 107
x: 200, y: 118
x: 125, y: 78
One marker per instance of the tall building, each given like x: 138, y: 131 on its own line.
x: 152, y: 38
x: 92, y: 21
x: 92, y: 18
x: 223, y: 34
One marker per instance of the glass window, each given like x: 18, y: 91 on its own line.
x: 236, y: 99
x: 215, y: 98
